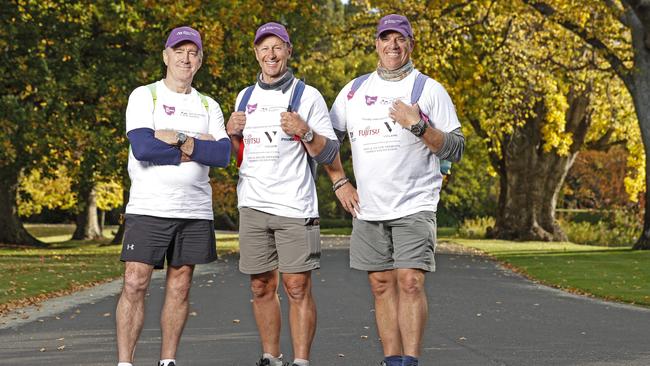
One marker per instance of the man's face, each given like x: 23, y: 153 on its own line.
x: 183, y: 61
x: 394, y: 49
x: 273, y: 54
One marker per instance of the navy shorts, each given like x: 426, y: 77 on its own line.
x: 150, y: 239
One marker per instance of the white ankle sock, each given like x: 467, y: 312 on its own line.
x: 275, y: 361
x: 124, y: 364
x: 166, y: 361
x: 301, y: 362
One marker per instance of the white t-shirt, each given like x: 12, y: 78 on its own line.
x: 396, y: 174
x: 174, y: 191
x: 274, y: 175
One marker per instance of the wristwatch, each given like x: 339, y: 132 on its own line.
x: 180, y: 138
x: 419, y: 128
x: 308, y: 136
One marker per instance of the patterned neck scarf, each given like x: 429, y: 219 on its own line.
x: 395, y: 75
x: 282, y: 83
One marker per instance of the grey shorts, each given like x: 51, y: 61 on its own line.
x: 150, y: 239
x: 407, y: 242
x: 268, y: 242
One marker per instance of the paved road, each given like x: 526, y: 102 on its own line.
x: 480, y: 314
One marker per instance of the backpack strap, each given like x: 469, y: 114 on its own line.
x: 416, y: 93
x: 294, y: 103
x: 204, y: 101
x: 154, y: 93
x: 241, y: 107
x: 356, y: 84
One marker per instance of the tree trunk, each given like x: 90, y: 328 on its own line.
x: 87, y: 220
x: 640, y: 91
x: 531, y: 179
x: 125, y: 199
x: 12, y: 231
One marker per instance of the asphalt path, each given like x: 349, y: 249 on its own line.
x: 479, y: 314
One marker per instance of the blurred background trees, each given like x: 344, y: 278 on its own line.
x: 551, y: 118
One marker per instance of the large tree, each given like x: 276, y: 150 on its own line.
x: 616, y: 29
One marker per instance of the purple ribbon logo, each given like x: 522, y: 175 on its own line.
x: 169, y: 110
x: 370, y: 100
x: 250, y: 108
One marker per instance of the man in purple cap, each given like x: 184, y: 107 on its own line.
x: 401, y: 124
x: 281, y: 125
x: 176, y: 134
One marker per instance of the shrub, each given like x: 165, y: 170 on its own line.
x: 475, y: 228
x: 619, y: 228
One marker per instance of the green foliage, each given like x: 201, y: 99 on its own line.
x: 475, y: 228
x: 619, y: 228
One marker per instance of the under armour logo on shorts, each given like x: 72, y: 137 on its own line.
x: 130, y: 246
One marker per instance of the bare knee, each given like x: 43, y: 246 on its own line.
x: 135, y: 284
x: 297, y: 287
x: 263, y: 286
x: 411, y: 282
x: 381, y: 283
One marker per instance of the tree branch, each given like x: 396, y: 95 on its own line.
x: 617, y: 64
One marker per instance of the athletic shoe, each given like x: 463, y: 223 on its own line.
x: 263, y: 362
x: 170, y: 364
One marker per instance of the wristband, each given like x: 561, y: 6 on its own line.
x: 340, y: 183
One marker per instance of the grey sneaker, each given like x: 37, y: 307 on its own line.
x: 263, y: 362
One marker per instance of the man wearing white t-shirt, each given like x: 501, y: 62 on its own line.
x: 275, y: 136
x: 176, y: 134
x: 396, y: 150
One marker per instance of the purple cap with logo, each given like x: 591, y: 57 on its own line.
x: 182, y: 34
x: 272, y: 29
x: 395, y: 22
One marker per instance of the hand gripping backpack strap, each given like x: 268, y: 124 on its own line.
x: 241, y: 107
x: 416, y: 93
x: 294, y: 104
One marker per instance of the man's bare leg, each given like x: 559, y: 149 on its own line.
x: 129, y: 315
x: 175, y: 309
x: 302, y: 312
x: 266, y: 308
x: 384, y: 288
x: 412, y: 309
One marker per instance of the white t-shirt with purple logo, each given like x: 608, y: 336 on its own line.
x: 396, y: 174
x: 174, y: 191
x: 274, y: 175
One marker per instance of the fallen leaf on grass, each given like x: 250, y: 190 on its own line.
x: 42, y: 349
x: 107, y: 314
x: 61, y: 348
x: 236, y: 321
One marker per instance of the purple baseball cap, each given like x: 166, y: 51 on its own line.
x: 272, y: 29
x: 182, y: 34
x: 394, y: 22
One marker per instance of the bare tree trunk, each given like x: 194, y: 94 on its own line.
x: 12, y: 231
x: 125, y: 199
x: 87, y: 220
x: 638, y: 83
x: 531, y: 178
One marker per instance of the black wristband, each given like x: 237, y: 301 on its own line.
x: 340, y: 183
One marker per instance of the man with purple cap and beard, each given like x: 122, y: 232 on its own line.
x: 176, y: 134
x: 280, y: 126
x: 401, y: 124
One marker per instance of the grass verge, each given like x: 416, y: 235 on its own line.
x: 615, y: 274
x: 35, y: 274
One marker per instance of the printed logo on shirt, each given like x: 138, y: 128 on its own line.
x: 250, y: 108
x: 370, y: 100
x: 169, y: 110
x: 368, y: 132
x: 268, y: 135
x: 250, y: 140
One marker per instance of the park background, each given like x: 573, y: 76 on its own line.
x: 553, y: 97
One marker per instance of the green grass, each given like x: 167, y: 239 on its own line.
x: 611, y: 273
x: 64, y: 265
